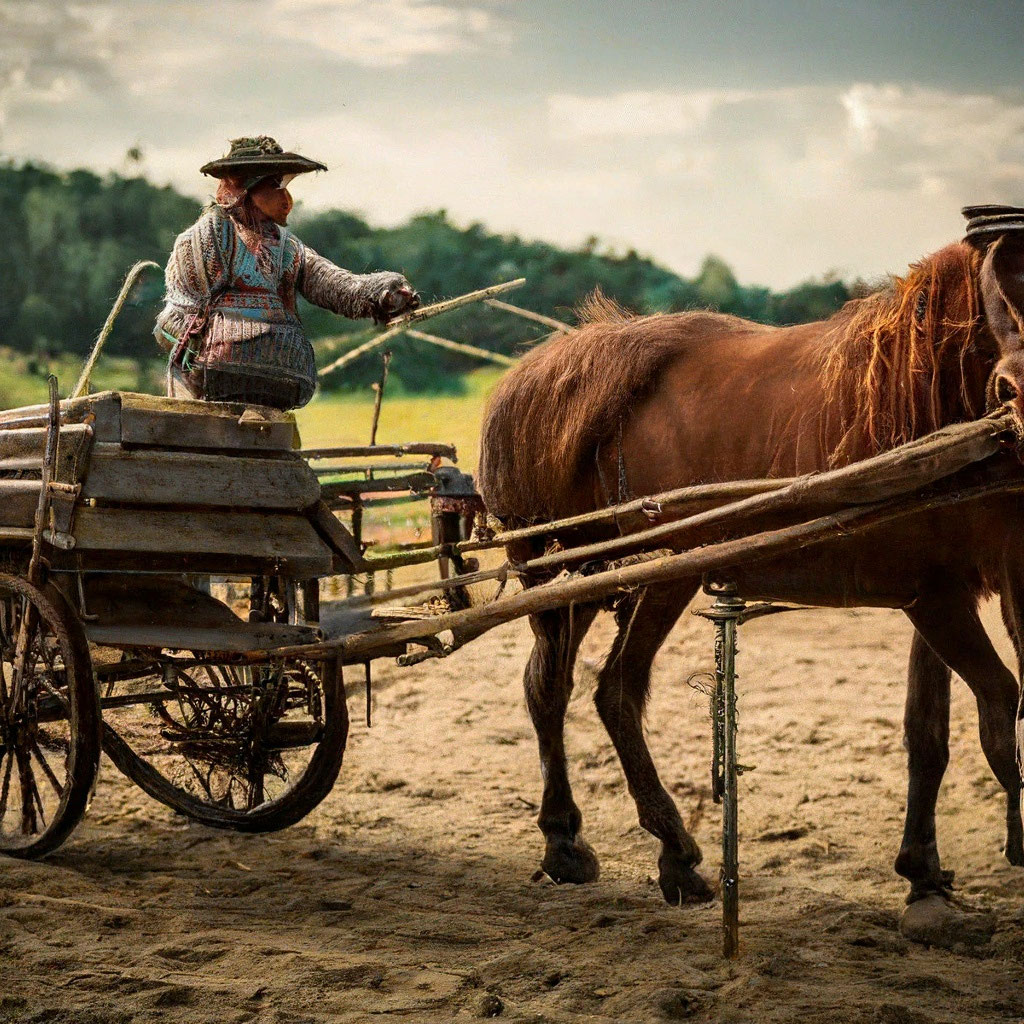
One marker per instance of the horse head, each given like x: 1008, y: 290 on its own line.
x: 998, y: 232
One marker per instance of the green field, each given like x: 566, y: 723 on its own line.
x: 346, y: 419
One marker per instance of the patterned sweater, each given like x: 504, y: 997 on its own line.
x: 230, y: 321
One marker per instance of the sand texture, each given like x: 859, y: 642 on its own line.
x: 411, y: 893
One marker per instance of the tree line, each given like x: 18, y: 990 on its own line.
x: 71, y: 237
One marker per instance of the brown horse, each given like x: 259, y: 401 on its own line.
x: 637, y: 405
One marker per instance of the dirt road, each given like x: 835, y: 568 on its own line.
x: 410, y: 894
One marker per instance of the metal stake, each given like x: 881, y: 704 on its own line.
x: 726, y: 613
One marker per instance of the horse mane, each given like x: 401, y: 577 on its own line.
x: 552, y: 411
x: 898, y: 364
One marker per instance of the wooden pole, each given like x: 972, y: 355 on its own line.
x: 891, y: 473
x: 461, y: 347
x: 378, y: 398
x: 82, y: 386
x: 467, y: 624
x: 529, y: 314
x: 401, y: 324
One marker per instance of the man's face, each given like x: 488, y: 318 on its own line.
x: 271, y: 198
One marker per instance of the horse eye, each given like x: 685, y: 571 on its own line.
x: 922, y: 306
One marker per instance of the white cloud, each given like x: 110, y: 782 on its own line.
x: 801, y: 139
x: 639, y: 113
x: 782, y: 182
x: 49, y: 52
x: 934, y: 140
x: 386, y: 33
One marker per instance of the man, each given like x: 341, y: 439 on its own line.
x: 230, y: 322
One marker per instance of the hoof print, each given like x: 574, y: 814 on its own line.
x: 938, y: 921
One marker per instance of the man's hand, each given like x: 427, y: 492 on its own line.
x: 395, y: 298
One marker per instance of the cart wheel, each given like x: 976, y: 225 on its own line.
x: 49, y: 719
x: 250, y: 748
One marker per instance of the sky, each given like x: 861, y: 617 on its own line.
x: 792, y: 138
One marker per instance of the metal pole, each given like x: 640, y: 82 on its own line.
x: 726, y: 613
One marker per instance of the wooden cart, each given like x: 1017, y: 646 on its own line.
x: 115, y: 511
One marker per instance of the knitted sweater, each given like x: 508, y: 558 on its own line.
x: 230, y: 321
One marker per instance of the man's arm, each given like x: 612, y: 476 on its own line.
x: 381, y: 296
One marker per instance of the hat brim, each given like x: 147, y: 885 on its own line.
x: 987, y: 222
x: 270, y: 163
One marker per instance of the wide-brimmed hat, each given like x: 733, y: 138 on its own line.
x: 254, y: 157
x: 987, y: 222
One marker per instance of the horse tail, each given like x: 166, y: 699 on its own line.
x: 550, y: 413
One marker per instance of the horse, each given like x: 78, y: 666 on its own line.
x: 631, y: 405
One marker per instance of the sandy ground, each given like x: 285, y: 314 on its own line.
x: 410, y: 894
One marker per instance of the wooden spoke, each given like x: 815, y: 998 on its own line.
x: 5, y: 788
x: 248, y: 748
x: 47, y: 770
x: 28, y: 803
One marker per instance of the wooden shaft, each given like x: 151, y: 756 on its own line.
x: 463, y: 348
x: 529, y: 314
x: 678, y: 500
x: 396, y: 327
x: 473, y: 622
x: 443, y: 451
x: 883, y: 476
x: 83, y: 381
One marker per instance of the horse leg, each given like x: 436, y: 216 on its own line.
x: 951, y: 626
x: 1012, y: 602
x: 644, y: 621
x: 548, y: 683
x: 926, y: 737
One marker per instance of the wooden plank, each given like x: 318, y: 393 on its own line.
x: 102, y: 411
x: 235, y: 637
x: 185, y: 423
x: 146, y: 477
x: 350, y: 558
x: 374, y: 467
x: 443, y: 451
x: 18, y: 502
x: 22, y: 448
x: 280, y: 538
x: 417, y: 482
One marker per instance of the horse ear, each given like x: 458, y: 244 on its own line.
x: 1002, y: 292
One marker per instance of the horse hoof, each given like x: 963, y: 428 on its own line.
x: 571, y: 861
x: 680, y: 884
x: 940, y: 921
